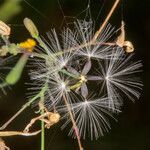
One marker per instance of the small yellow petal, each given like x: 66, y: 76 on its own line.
x: 29, y: 44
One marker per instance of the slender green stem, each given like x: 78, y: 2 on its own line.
x: 19, y: 112
x: 68, y: 73
x: 38, y: 55
x: 42, y: 93
x: 25, y: 106
x: 43, y: 45
x: 42, y: 135
x: 42, y: 127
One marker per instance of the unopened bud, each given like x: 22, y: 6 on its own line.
x: 30, y: 26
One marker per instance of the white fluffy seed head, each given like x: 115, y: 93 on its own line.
x: 91, y: 117
x: 115, y: 74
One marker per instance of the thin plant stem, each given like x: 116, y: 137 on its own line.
x: 42, y: 125
x: 19, y: 112
x: 17, y: 133
x: 24, y: 107
x: 42, y: 122
x: 105, y: 21
x: 45, y: 56
x: 42, y: 135
x: 73, y: 122
x: 43, y: 45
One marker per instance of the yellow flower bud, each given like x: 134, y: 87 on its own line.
x: 30, y: 26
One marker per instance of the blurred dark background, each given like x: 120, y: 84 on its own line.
x: 132, y: 131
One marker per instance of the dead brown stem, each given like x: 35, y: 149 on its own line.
x: 14, y: 133
x: 49, y: 118
x: 73, y: 122
x: 105, y: 21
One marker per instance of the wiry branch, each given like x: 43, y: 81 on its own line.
x: 105, y: 21
x: 73, y: 121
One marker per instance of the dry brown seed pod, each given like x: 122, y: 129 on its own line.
x: 129, y: 48
x: 54, y: 118
x: 4, y: 29
x: 127, y: 45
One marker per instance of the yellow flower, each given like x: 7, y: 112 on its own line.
x: 29, y: 45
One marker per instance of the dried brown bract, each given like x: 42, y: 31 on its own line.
x: 3, y: 145
x: 127, y: 45
x: 4, y: 29
x: 49, y: 118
